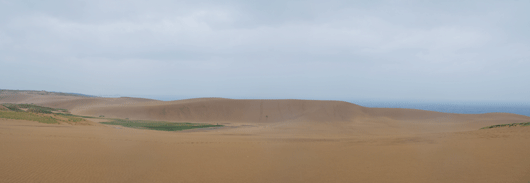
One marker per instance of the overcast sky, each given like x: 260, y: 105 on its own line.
x: 340, y: 50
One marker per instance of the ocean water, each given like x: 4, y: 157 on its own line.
x: 454, y: 107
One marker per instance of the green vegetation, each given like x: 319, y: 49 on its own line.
x: 73, y: 118
x: 508, y: 125
x: 158, y: 125
x: 38, y: 113
x: 27, y: 116
x: 51, y: 115
x: 12, y: 107
x: 68, y: 114
x: 32, y: 108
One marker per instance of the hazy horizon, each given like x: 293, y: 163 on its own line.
x: 331, y: 98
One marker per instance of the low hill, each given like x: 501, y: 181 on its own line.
x: 42, y: 92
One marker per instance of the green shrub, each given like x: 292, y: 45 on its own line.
x: 38, y: 110
x: 508, y: 125
x: 74, y: 119
x: 31, y: 108
x: 63, y: 114
x: 27, y: 116
x: 12, y: 107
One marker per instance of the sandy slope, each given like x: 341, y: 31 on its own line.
x: 33, y: 152
x: 264, y: 141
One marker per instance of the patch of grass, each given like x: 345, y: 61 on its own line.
x: 27, y: 116
x: 35, y: 113
x: 37, y: 109
x: 32, y: 108
x: 74, y: 119
x: 507, y: 125
x: 158, y: 125
x: 67, y: 114
x: 40, y: 109
x: 12, y: 107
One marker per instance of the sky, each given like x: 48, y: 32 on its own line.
x: 267, y: 49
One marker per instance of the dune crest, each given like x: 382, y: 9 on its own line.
x: 336, y: 114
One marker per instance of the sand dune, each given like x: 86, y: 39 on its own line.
x: 296, y: 116
x: 263, y: 141
x: 335, y: 114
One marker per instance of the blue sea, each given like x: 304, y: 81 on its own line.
x: 454, y: 107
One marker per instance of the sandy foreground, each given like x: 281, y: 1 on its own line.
x: 34, y: 152
x: 374, y: 148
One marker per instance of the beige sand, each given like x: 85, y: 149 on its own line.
x: 264, y: 141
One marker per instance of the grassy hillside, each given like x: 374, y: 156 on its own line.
x: 27, y: 116
x: 37, y: 113
x: 32, y: 108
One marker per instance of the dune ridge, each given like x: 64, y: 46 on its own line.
x: 338, y: 114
